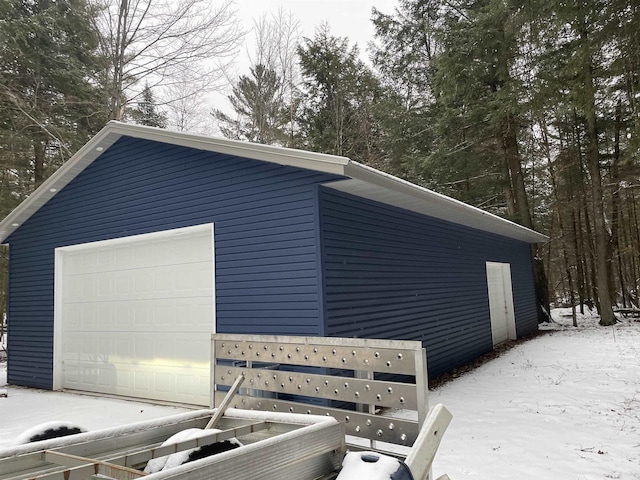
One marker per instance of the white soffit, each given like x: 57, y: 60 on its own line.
x: 369, y: 183
x: 362, y: 181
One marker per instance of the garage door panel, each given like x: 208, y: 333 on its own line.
x: 194, y: 280
x: 159, y: 383
x: 135, y: 253
x: 167, y: 315
x: 136, y: 315
x: 154, y: 348
x: 143, y: 361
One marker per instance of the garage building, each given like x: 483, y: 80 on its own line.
x: 146, y: 241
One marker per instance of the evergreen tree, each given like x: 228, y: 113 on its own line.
x: 478, y: 108
x: 403, y: 52
x: 261, y: 114
x: 341, y: 95
x: 466, y: 103
x: 146, y: 111
x: 50, y: 104
x: 576, y: 71
x: 277, y: 37
x: 529, y: 109
x: 49, y: 100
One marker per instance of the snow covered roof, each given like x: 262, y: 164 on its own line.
x: 360, y: 180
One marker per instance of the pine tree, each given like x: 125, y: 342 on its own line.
x: 403, y: 53
x: 146, y: 110
x: 341, y: 94
x: 49, y: 100
x: 261, y: 113
x: 50, y: 104
x: 477, y: 110
x: 575, y: 46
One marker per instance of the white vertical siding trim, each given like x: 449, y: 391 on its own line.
x: 57, y: 319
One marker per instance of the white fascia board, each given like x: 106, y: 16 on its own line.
x: 113, y: 131
x: 379, y: 186
x: 320, y: 162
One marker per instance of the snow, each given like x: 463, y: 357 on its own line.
x: 563, y: 405
x: 354, y: 467
x: 157, y: 464
x: 269, y: 416
x: 39, y: 430
x: 175, y: 459
x: 25, y: 408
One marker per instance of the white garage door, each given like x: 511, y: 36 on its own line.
x: 134, y: 315
x: 503, y: 324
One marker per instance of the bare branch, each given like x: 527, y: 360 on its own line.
x: 156, y: 41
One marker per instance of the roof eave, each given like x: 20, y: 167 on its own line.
x: 113, y: 131
x: 321, y: 162
x: 48, y: 189
x: 480, y: 219
x: 394, y: 190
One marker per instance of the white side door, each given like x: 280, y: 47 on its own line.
x: 503, y: 324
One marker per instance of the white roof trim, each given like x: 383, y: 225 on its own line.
x: 375, y: 185
x: 364, y: 181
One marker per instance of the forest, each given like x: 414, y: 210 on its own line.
x: 527, y: 109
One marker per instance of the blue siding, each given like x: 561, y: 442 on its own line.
x: 267, y: 277
x: 391, y: 273
x: 387, y: 272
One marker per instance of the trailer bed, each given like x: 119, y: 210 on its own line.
x: 275, y: 446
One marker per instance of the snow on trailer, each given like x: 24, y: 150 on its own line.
x: 269, y: 437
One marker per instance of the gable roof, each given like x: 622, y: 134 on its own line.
x: 360, y: 180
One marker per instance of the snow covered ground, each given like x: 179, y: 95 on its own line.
x: 564, y: 405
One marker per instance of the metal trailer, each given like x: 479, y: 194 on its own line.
x: 338, y: 393
x: 275, y: 446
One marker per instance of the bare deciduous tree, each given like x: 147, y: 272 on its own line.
x: 155, y: 41
x: 186, y: 111
x: 277, y: 37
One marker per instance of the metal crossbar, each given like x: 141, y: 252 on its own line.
x: 350, y: 379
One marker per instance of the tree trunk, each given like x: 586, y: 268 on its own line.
x: 514, y: 167
x: 616, y: 209
x: 580, y: 260
x: 607, y: 316
x: 116, y: 107
x: 518, y: 202
x: 39, y: 150
x: 634, y: 236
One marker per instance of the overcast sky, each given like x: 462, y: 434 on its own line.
x: 347, y: 18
